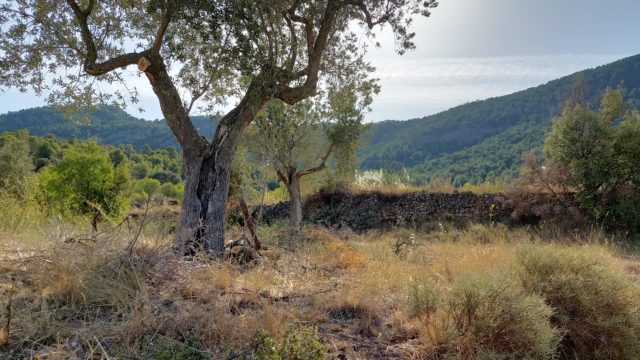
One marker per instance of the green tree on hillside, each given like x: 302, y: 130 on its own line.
x: 16, y: 166
x: 86, y: 183
x: 600, y: 150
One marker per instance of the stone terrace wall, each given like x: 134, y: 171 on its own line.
x: 361, y: 211
x: 371, y: 210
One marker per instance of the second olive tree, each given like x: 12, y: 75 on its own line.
x: 299, y: 140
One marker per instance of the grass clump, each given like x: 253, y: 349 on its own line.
x: 166, y: 348
x: 483, y: 317
x: 597, y: 307
x: 299, y: 343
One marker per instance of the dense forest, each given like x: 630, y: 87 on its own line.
x: 110, y: 125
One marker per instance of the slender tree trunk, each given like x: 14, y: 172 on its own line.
x: 295, y: 204
x: 94, y: 221
x: 251, y: 226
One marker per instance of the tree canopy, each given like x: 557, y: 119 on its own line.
x: 207, y: 50
x: 85, y: 182
x: 599, y: 150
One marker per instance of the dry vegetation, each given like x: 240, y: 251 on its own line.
x: 440, y: 292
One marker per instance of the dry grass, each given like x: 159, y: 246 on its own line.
x: 86, y: 299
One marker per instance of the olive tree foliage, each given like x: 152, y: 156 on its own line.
x: 600, y: 153
x: 192, y: 53
x: 298, y: 140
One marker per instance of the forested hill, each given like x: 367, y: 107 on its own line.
x: 477, y: 141
x: 483, y: 140
x: 110, y: 125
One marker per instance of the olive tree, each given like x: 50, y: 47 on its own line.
x: 298, y: 140
x: 193, y: 52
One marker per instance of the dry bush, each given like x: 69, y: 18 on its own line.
x: 598, y: 308
x: 362, y: 310
x: 67, y: 294
x: 331, y: 250
x: 81, y: 299
x: 561, y: 214
x: 536, y: 178
x: 483, y: 317
x: 345, y: 257
x: 438, y: 185
x: 487, y: 187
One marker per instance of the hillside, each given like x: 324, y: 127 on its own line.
x: 485, y: 139
x: 477, y: 141
x: 110, y: 125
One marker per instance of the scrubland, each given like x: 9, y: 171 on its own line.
x: 434, y: 292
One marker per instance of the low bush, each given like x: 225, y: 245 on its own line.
x: 597, y: 308
x: 484, y: 317
x: 166, y: 348
x: 299, y: 343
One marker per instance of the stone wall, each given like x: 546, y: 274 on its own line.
x: 371, y: 210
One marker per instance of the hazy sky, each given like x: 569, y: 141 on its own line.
x: 475, y: 49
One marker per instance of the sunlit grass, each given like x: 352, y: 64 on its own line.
x: 72, y: 297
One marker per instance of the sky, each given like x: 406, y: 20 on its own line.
x: 474, y: 49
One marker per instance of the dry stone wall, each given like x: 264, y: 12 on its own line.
x: 375, y: 210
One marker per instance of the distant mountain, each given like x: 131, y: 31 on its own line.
x: 110, y: 125
x: 478, y: 141
x: 485, y: 139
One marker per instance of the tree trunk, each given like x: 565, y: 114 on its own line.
x: 248, y: 219
x: 202, y: 217
x: 295, y: 204
x: 207, y: 165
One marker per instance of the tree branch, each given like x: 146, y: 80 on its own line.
x: 315, y: 48
x: 162, y: 29
x: 367, y: 14
x: 91, y: 56
x: 320, y: 167
x: 281, y: 176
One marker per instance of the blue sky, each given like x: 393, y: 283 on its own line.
x: 473, y: 49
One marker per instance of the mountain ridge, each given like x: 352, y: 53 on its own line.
x: 472, y: 142
x: 419, y: 144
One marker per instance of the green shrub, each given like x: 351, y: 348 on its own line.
x: 16, y: 175
x: 423, y: 300
x: 85, y: 182
x: 168, y: 190
x: 597, y: 308
x: 299, y: 343
x: 600, y: 153
x: 493, y: 318
x: 485, y: 317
